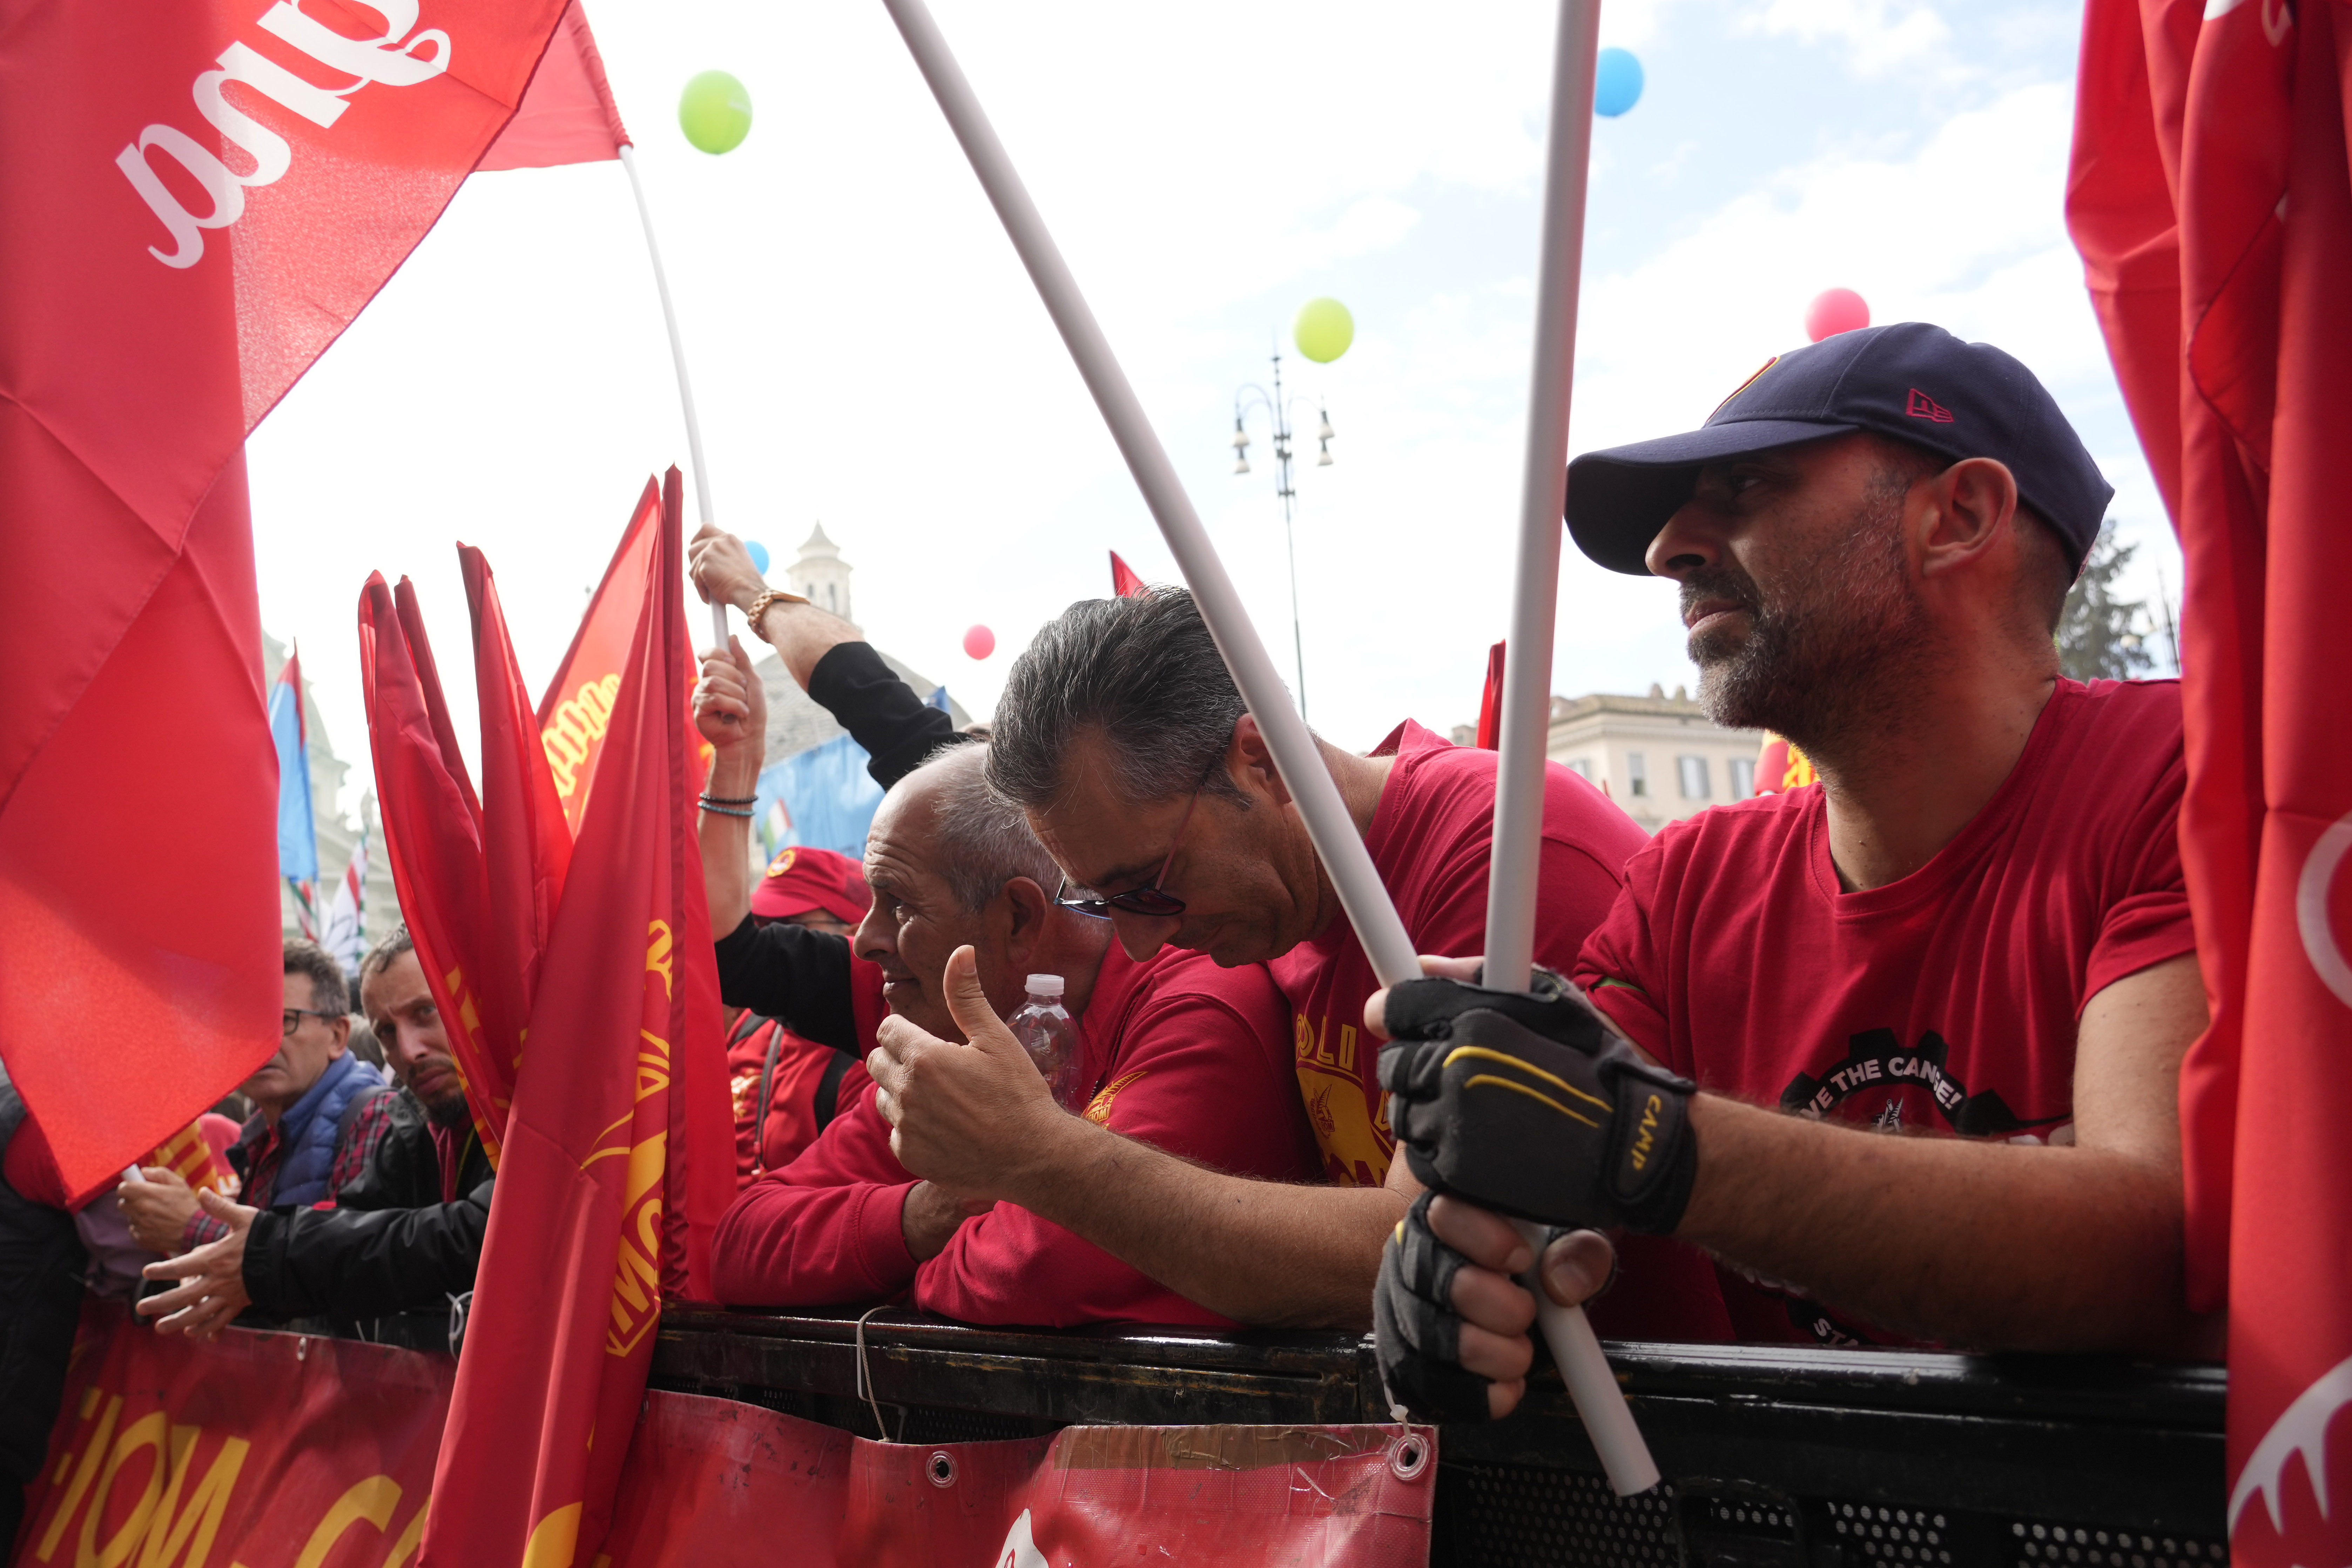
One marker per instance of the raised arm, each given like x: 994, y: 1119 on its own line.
x: 829, y: 660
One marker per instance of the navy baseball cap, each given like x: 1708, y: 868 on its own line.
x: 1911, y: 380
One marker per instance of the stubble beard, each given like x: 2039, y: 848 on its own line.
x: 1827, y: 657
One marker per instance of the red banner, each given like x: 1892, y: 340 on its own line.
x: 270, y: 1450
x: 280, y: 1451
x: 712, y: 1483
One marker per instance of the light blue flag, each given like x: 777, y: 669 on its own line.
x: 298, y: 835
x: 828, y: 798
x: 828, y: 793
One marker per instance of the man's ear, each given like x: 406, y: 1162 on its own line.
x: 1250, y: 761
x: 1973, y: 505
x: 1027, y: 907
x: 341, y: 1025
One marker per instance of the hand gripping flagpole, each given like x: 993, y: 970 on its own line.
x: 1527, y: 676
x: 1335, y: 840
x: 685, y: 386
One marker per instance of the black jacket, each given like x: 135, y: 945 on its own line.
x: 788, y: 971
x: 391, y: 1245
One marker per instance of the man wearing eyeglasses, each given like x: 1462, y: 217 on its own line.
x: 1122, y: 735
x: 403, y: 1236
x: 310, y: 1133
x: 1176, y: 1054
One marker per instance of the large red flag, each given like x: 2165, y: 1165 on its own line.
x: 199, y: 195
x: 526, y: 844
x: 2212, y: 202
x: 569, y: 115
x: 433, y: 838
x: 615, y: 1169
x: 574, y: 709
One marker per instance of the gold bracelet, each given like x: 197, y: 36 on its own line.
x: 767, y: 600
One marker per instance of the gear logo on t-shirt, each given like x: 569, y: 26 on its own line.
x: 1877, y: 1061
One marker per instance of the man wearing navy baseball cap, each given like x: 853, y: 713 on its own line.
x: 1922, y: 1025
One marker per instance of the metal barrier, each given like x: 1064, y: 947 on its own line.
x: 1808, y: 1458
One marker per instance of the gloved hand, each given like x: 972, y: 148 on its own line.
x: 1532, y: 1105
x: 1416, y: 1332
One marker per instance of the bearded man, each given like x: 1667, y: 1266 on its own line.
x: 1903, y: 1047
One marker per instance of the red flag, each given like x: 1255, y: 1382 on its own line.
x: 204, y: 193
x: 568, y: 116
x: 526, y: 844
x: 2213, y: 203
x: 1124, y: 582
x: 1490, y: 702
x: 615, y: 1172
x: 574, y: 709
x: 1781, y: 766
x: 433, y: 837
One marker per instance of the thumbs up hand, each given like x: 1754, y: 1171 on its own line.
x: 970, y: 1118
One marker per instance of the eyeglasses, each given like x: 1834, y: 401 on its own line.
x: 294, y: 1016
x: 1148, y: 901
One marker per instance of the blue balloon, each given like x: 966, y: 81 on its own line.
x: 1616, y: 82
x: 759, y: 555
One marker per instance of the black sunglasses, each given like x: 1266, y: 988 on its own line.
x: 1149, y: 900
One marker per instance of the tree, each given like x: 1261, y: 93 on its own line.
x: 2099, y: 635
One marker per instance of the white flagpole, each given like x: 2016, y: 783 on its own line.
x: 685, y: 386
x: 1386, y: 942
x: 1527, y: 673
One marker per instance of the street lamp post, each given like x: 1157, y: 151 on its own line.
x: 1250, y: 398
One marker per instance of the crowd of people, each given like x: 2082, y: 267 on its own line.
x: 1891, y: 1061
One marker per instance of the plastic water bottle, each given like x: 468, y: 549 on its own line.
x: 1050, y: 1036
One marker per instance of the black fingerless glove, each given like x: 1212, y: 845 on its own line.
x: 1416, y: 1332
x: 1531, y: 1104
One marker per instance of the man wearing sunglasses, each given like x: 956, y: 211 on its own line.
x: 1123, y: 737
x: 1175, y: 1053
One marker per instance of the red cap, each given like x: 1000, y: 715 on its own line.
x: 801, y: 881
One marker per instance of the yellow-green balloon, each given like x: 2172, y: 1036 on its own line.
x: 1324, y: 329
x: 715, y: 112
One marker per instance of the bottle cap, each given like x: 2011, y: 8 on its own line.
x: 1044, y: 986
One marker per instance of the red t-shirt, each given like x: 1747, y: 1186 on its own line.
x: 1183, y: 1056
x: 794, y: 1115
x: 1945, y: 1003
x: 1430, y: 839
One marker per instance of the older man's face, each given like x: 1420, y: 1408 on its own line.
x: 303, y: 1055
x: 1246, y: 875
x: 917, y: 920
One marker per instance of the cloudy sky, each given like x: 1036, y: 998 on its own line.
x: 868, y: 352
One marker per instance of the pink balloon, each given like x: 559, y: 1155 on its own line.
x: 1835, y: 310
x: 980, y: 642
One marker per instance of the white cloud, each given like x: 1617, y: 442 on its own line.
x: 1880, y: 34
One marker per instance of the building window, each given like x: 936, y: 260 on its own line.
x: 1637, y: 772
x: 1581, y: 767
x: 1694, y: 777
x: 1743, y: 777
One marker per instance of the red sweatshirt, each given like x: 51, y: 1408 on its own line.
x: 1184, y: 1056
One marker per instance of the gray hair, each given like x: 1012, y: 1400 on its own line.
x: 982, y: 841
x: 1141, y: 671
x: 330, y: 993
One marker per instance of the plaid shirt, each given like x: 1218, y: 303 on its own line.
x: 351, y: 1156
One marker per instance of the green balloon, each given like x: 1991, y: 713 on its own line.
x: 715, y: 112
x: 1324, y: 329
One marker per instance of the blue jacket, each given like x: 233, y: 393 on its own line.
x: 311, y: 1128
